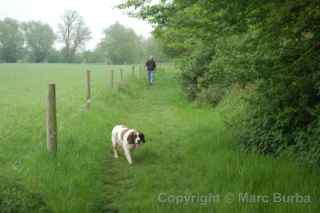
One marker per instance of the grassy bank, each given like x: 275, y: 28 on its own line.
x: 189, y: 150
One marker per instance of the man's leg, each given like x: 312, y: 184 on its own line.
x: 151, y: 77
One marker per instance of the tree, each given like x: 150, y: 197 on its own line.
x: 11, y: 40
x: 154, y: 47
x: 271, y: 44
x: 121, y: 45
x: 39, y: 40
x: 73, y: 33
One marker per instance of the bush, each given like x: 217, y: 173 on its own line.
x: 213, y: 94
x: 211, y: 70
x: 274, y: 44
x: 194, y: 71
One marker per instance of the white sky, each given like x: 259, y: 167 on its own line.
x: 97, y: 14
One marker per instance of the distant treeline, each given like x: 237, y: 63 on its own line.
x: 35, y: 41
x: 270, y: 48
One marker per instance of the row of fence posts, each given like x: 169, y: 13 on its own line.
x: 52, y: 130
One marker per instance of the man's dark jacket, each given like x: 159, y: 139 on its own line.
x: 151, y: 64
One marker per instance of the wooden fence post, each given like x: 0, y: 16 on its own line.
x: 133, y: 73
x: 111, y: 78
x: 142, y: 70
x: 121, y: 75
x: 139, y: 70
x: 88, y: 85
x: 52, y: 133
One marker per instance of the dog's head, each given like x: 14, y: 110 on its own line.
x: 141, y: 137
x: 136, y: 138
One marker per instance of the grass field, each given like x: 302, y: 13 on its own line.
x: 74, y: 179
x: 189, y: 150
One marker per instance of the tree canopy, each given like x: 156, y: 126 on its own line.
x: 35, y: 42
x: 11, y: 40
x: 39, y: 39
x: 121, y: 45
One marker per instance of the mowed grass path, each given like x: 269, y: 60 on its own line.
x: 189, y: 150
x: 190, y: 163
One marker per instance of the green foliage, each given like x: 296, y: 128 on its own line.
x: 288, y: 94
x: 121, y: 45
x: 194, y: 78
x: 33, y: 41
x: 39, y: 40
x: 272, y: 44
x: 11, y: 40
x: 154, y: 47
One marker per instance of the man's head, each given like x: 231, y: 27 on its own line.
x: 151, y: 57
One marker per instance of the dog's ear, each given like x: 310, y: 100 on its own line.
x: 131, y: 138
x: 142, y: 138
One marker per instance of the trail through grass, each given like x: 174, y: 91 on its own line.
x: 189, y: 163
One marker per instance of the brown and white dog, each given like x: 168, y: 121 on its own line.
x: 128, y: 139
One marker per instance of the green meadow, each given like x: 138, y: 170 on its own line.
x: 190, y: 162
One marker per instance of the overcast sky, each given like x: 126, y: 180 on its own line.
x: 97, y: 14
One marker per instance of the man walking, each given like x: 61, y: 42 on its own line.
x: 150, y: 66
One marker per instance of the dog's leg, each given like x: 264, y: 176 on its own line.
x: 127, y: 154
x: 114, y: 147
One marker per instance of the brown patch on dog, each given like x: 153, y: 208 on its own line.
x: 131, y: 138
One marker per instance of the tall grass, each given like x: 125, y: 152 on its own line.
x: 73, y: 181
x: 189, y: 148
